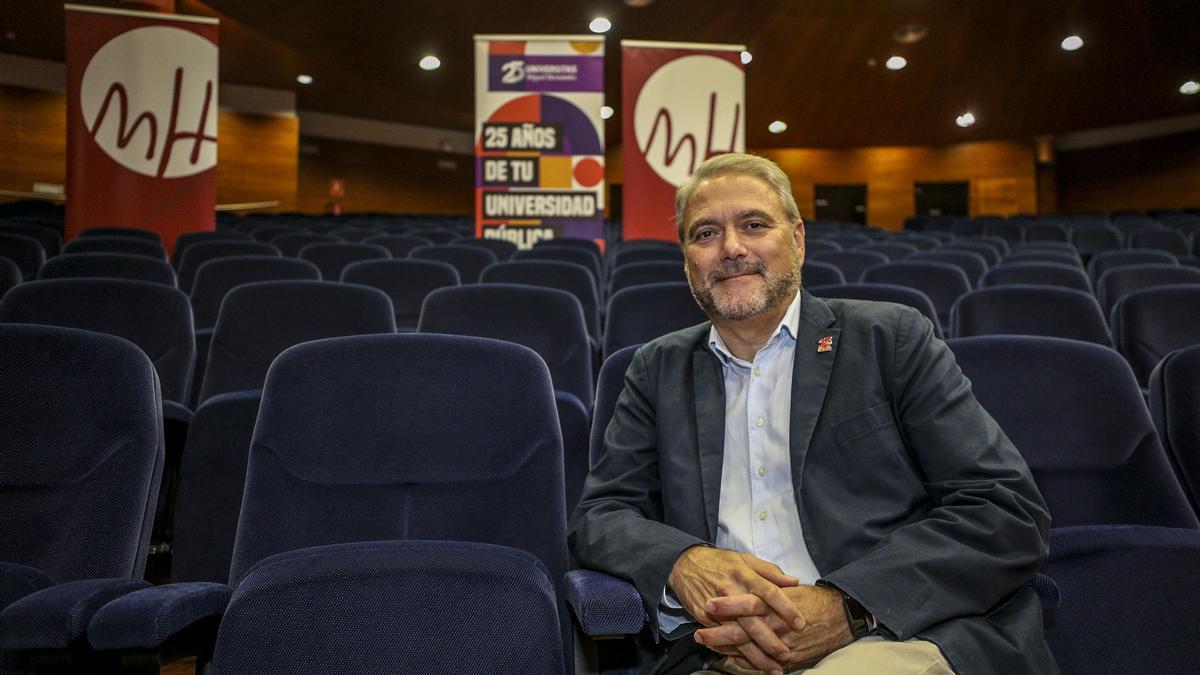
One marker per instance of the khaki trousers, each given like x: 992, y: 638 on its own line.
x: 871, y: 654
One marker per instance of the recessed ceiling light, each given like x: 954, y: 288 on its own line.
x: 747, y: 57
x: 896, y: 63
x: 965, y: 120
x: 606, y: 112
x: 600, y: 25
x: 430, y: 63
x: 1072, y: 42
x: 777, y: 127
x: 304, y: 78
x: 1190, y: 87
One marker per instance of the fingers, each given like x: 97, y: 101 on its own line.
x: 745, y: 629
x: 759, y: 660
x: 781, y: 604
x: 770, y: 571
x: 733, y: 606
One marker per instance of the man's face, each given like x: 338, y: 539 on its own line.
x: 742, y: 256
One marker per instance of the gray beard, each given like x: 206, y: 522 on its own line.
x: 776, y: 288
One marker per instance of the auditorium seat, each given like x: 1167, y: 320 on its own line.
x: 468, y: 607
x: 575, y: 422
x: 1042, y: 255
x: 257, y: 321
x: 215, y: 278
x: 112, y: 244
x: 109, y: 266
x: 270, y: 231
x: 1077, y: 415
x: 848, y: 240
x: 641, y: 313
x: 435, y: 235
x: 290, y: 242
x: 10, y: 275
x: 332, y: 258
x: 1051, y: 311
x: 1118, y: 282
x: 467, y: 260
x: 649, y: 272
x: 971, y: 263
x: 1174, y: 402
x: 814, y: 244
x: 80, y: 478
x: 399, y: 244
x: 1129, y: 597
x: 574, y: 242
x: 901, y: 295
x: 852, y: 263
x: 1010, y: 231
x: 1090, y: 240
x: 1106, y: 260
x: 26, y: 252
x: 1160, y: 239
x: 1037, y: 273
x: 1000, y: 245
x: 924, y: 242
x: 1040, y: 230
x: 201, y: 252
x: 894, y: 250
x: 573, y: 254
x: 1149, y: 324
x: 50, y: 239
x: 354, y: 234
x: 987, y: 250
x: 816, y: 273
x: 570, y: 277
x: 134, y: 232
x: 608, y: 388
x: 547, y: 320
x: 503, y: 250
x: 187, y: 239
x: 407, y: 282
x: 942, y: 282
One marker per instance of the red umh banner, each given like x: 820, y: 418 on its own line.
x: 681, y: 104
x: 141, y: 121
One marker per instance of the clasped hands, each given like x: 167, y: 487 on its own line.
x: 754, y: 613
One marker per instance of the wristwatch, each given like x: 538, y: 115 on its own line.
x: 857, y: 617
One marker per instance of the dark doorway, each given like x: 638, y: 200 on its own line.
x: 845, y: 203
x: 942, y: 199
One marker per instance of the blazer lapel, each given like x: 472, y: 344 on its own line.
x: 816, y: 347
x: 710, y: 429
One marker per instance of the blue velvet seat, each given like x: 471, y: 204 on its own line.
x: 815, y: 273
x: 641, y: 313
x: 215, y: 278
x: 570, y: 277
x: 1118, y: 282
x: 649, y: 272
x: 116, y: 244
x: 502, y: 249
x: 1151, y: 323
x: 332, y: 258
x: 23, y: 250
x: 187, y: 239
x: 399, y: 244
x: 971, y: 263
x: 109, y: 266
x: 10, y: 275
x: 1174, y: 400
x: 1037, y: 274
x: 467, y: 260
x: 1106, y: 260
x: 1051, y: 311
x: 134, y: 232
x: 290, y: 242
x: 407, y: 282
x: 201, y: 252
x: 902, y: 295
x: 942, y: 282
x: 852, y: 263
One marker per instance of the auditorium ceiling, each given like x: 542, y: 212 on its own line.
x: 817, y: 65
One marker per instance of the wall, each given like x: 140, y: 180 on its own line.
x: 1152, y: 174
x: 33, y: 138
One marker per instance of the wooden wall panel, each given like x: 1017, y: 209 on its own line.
x: 1154, y: 174
x: 257, y: 158
x: 33, y: 138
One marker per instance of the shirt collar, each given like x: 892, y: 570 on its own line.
x: 789, y: 326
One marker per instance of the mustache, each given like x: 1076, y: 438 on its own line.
x: 733, y: 268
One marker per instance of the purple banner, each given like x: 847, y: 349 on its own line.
x: 545, y: 73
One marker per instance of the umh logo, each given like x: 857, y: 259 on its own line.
x: 149, y: 100
x: 512, y: 72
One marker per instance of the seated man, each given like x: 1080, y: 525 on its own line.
x: 807, y: 483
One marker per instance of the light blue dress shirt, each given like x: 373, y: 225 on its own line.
x: 757, y: 512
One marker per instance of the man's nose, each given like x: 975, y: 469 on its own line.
x: 732, y: 245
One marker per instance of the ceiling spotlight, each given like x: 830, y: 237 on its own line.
x: 747, y: 57
x: 1072, y: 42
x: 430, y: 63
x: 600, y: 25
x: 965, y: 120
x: 1190, y: 87
x: 896, y: 63
x: 777, y: 127
x: 304, y: 78
x: 606, y: 112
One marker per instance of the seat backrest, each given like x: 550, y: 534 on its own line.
x: 985, y: 250
x: 575, y: 422
x: 902, y: 295
x: 1052, y: 311
x: 49, y: 238
x: 155, y: 317
x: 608, y: 389
x: 108, y: 266
x: 354, y: 234
x: 1076, y: 414
x: 814, y: 244
x: 405, y: 436
x: 503, y: 250
x: 215, y: 278
x: 332, y: 258
x: 1009, y: 231
x: 1174, y: 400
x: 570, y: 277
x: 1059, y: 256
x: 573, y: 254
x: 1106, y: 260
x: 257, y: 321
x: 1149, y: 324
x: 399, y: 244
x: 270, y: 232
x: 200, y: 253
x: 637, y: 254
x: 1039, y: 274
x: 467, y: 260
x: 23, y: 250
x: 1095, y: 238
x: 816, y: 273
x: 850, y: 262
x: 82, y: 452
x: 436, y: 235
x: 641, y: 313
x: 133, y: 232
x: 942, y: 282
x: 894, y: 250
x: 971, y: 263
x: 187, y: 239
x: 649, y: 272
x: 1106, y: 575
x: 1162, y: 239
x: 468, y: 608
x: 10, y: 275
x: 848, y: 240
x: 290, y: 243
x: 1047, y: 231
x: 407, y: 282
x: 1118, y: 282
x: 547, y: 320
x: 127, y: 245
x: 576, y: 242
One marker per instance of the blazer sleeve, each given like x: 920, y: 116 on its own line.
x: 617, y: 527
x: 986, y: 534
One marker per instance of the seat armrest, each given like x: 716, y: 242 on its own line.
x: 149, y: 618
x: 176, y: 412
x: 1047, y: 591
x: 604, y: 605
x: 57, y: 617
x: 18, y: 581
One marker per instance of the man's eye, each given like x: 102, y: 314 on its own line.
x: 755, y: 225
x: 704, y: 234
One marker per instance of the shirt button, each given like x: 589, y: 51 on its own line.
x: 762, y: 515
x: 758, y: 422
x: 762, y: 470
x: 757, y: 372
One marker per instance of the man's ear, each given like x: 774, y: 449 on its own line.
x: 799, y: 232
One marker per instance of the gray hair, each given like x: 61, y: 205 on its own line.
x: 736, y: 163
